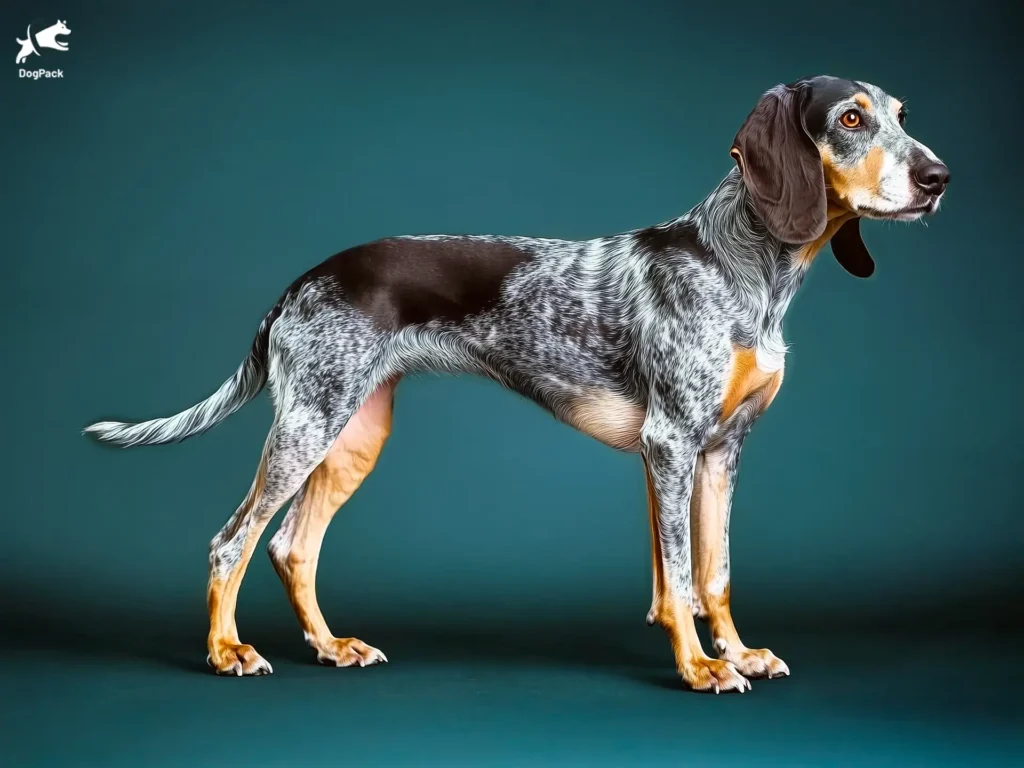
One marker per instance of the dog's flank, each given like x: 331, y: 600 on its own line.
x: 665, y: 340
x: 247, y: 382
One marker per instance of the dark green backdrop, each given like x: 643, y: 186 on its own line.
x: 196, y: 157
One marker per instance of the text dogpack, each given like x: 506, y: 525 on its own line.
x: 36, y: 74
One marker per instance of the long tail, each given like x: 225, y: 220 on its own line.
x: 247, y: 382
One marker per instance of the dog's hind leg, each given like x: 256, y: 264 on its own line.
x: 295, y: 548
x: 313, y: 406
x: 296, y: 444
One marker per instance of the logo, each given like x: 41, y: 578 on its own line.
x: 34, y: 44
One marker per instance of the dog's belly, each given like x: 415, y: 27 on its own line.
x: 609, y: 417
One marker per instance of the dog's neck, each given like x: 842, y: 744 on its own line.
x: 739, y: 241
x: 763, y: 272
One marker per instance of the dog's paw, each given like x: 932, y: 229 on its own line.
x: 752, y: 662
x: 702, y: 673
x: 237, y: 660
x: 349, y: 652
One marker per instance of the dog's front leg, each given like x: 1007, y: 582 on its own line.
x: 714, y: 481
x: 670, y: 454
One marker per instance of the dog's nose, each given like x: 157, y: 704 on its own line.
x: 931, y: 177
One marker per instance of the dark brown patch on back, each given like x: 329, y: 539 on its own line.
x: 406, y: 281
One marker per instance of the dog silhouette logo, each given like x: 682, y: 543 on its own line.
x: 45, y: 38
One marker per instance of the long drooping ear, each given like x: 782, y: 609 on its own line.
x: 781, y: 165
x: 850, y: 251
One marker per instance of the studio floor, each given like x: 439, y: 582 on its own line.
x: 103, y: 688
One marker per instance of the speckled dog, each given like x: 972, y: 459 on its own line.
x: 665, y: 340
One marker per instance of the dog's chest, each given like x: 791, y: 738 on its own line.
x: 752, y: 379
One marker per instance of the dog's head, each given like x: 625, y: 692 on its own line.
x: 48, y: 37
x: 819, y: 154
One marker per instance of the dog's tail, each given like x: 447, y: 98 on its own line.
x: 247, y: 382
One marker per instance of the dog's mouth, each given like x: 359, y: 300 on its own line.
x: 61, y: 43
x: 909, y: 213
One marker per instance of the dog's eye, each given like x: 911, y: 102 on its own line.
x: 902, y: 116
x: 850, y: 119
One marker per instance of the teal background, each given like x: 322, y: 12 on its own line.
x: 197, y: 157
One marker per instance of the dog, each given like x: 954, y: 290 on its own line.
x: 665, y: 340
x: 46, y: 38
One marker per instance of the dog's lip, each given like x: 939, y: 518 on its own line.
x: 910, y: 211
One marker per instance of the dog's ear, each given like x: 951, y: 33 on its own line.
x: 781, y: 165
x: 849, y: 249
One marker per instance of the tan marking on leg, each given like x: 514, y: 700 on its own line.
x: 707, y: 529
x: 609, y: 417
x: 709, y: 516
x: 227, y: 654
x: 864, y: 102
x: 675, y: 616
x: 746, y: 380
x: 295, y: 549
x: 657, y: 563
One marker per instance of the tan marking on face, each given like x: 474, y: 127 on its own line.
x: 745, y: 380
x: 609, y: 417
x: 864, y: 102
x: 895, y: 105
x: 843, y: 183
x: 296, y: 548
